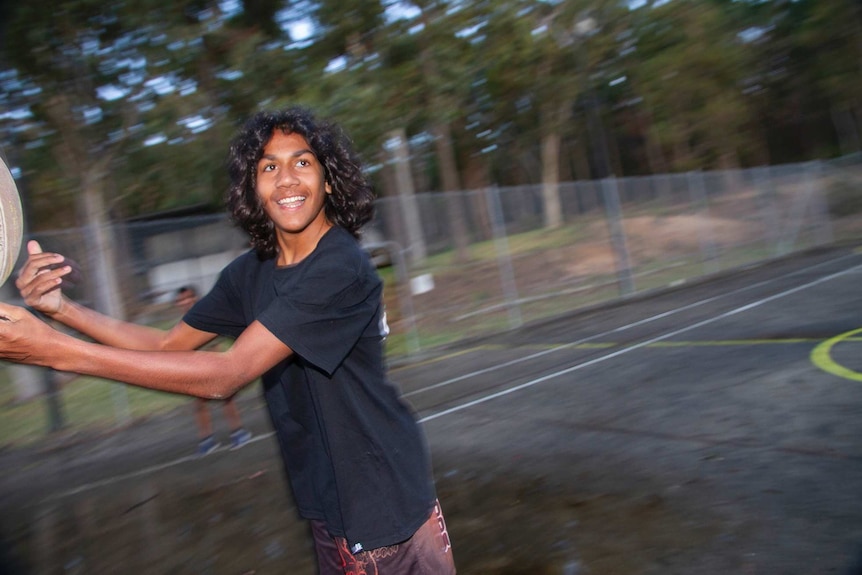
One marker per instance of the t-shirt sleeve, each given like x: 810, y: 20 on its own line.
x: 322, y: 317
x: 219, y: 311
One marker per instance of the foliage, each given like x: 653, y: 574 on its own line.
x: 143, y: 95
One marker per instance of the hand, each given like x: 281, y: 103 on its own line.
x: 41, y: 279
x: 23, y: 336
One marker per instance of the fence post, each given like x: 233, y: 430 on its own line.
x: 56, y: 419
x: 768, y: 209
x: 504, y: 258
x: 801, y: 201
x: 814, y: 172
x: 697, y: 192
x: 618, y: 236
x: 407, y: 197
x: 98, y: 239
x: 405, y: 296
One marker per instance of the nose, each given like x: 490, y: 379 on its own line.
x: 286, y: 177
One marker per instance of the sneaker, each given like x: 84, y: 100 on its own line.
x: 207, y: 446
x: 239, y: 438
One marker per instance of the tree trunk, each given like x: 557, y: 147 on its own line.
x: 857, y: 116
x: 388, y: 207
x: 614, y: 153
x: 581, y: 160
x: 452, y: 187
x: 475, y: 180
x: 554, y: 116
x: 407, y: 199
x: 441, y: 130
x: 655, y: 157
x: 682, y: 154
x: 845, y: 128
x: 658, y: 165
x: 89, y: 173
x: 100, y: 245
x: 551, y: 204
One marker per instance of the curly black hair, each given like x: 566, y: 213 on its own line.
x: 351, y: 203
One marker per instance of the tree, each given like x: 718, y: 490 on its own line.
x: 532, y: 71
x: 127, y: 101
x: 829, y: 32
x: 690, y: 71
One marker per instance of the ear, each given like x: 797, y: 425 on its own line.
x: 327, y: 188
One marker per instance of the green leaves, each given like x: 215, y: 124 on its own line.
x: 155, y: 88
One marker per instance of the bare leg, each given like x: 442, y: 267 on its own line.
x: 231, y: 412
x: 203, y: 419
x: 238, y: 435
x: 206, y: 442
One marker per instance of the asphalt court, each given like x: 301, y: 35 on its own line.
x: 713, y: 429
x: 746, y: 386
x: 806, y: 310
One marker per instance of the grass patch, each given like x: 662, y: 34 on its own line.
x: 86, y: 403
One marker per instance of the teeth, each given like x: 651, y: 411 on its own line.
x: 291, y: 200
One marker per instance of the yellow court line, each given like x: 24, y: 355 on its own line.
x: 435, y: 359
x: 848, y: 337
x: 821, y: 356
x: 731, y: 342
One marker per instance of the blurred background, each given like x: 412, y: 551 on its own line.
x: 530, y: 157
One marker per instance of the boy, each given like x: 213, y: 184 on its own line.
x: 304, y: 306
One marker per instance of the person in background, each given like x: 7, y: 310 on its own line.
x: 185, y: 298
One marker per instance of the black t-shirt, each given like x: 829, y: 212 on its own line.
x: 354, y: 453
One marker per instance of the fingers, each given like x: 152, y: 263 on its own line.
x: 42, y: 275
x: 40, y: 262
x: 35, y: 290
x: 45, y: 273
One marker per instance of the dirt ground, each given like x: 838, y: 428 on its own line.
x: 649, y: 239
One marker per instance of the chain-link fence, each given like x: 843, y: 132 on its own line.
x: 485, y: 260
x: 618, y: 236
x: 476, y: 262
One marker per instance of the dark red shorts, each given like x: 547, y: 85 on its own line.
x: 427, y: 552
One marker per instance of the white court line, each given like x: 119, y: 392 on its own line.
x: 145, y: 470
x: 616, y: 329
x: 168, y: 464
x: 634, y: 347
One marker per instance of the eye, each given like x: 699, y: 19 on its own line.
x: 303, y: 163
x: 267, y: 167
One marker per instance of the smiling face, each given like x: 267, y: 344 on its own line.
x: 292, y: 190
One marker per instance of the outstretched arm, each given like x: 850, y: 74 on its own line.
x: 206, y: 374
x: 40, y: 281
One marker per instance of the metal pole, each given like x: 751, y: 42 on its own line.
x: 504, y: 258
x: 618, y: 236
x: 407, y: 197
x: 797, y: 215
x: 56, y: 420
x: 53, y: 403
x: 697, y: 192
x: 768, y: 209
x: 405, y: 296
x: 824, y: 232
